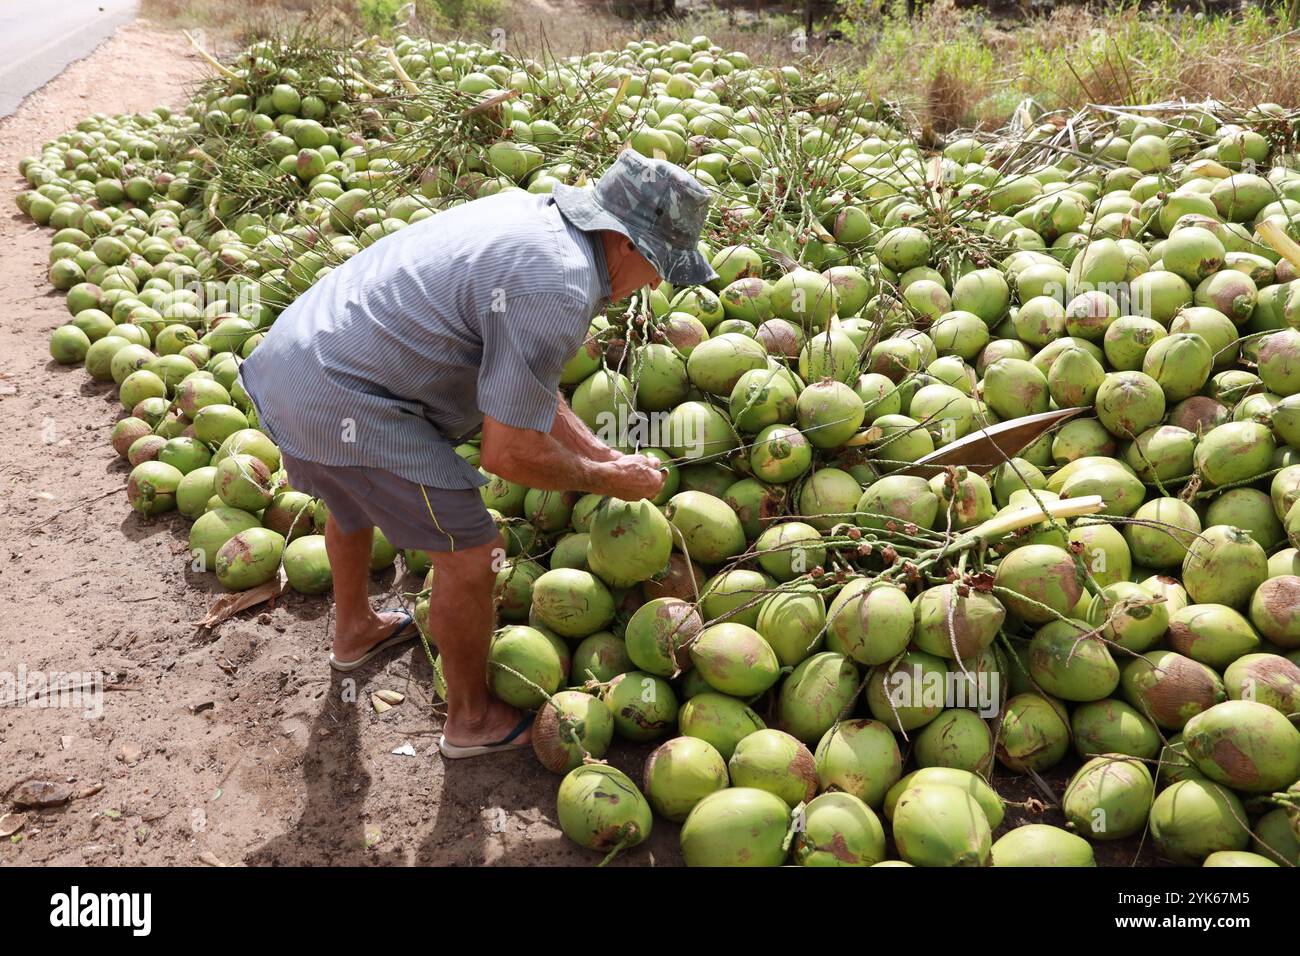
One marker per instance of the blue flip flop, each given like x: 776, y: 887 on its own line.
x: 403, y: 632
x: 509, y: 742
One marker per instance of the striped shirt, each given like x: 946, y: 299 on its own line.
x: 397, y: 355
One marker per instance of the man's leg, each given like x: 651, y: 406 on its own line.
x: 357, y: 628
x: 461, y: 621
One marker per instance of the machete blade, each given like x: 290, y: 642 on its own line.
x: 984, y: 450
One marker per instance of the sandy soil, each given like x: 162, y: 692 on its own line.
x: 237, y: 747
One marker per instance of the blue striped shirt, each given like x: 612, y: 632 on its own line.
x: 397, y: 354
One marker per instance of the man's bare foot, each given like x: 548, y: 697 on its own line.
x: 491, y: 728
x: 354, y: 643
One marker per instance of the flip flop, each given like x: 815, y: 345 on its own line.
x: 403, y: 632
x: 509, y: 742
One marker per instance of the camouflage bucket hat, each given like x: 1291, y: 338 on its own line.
x: 657, y: 205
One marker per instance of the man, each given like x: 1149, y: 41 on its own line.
x: 458, y: 323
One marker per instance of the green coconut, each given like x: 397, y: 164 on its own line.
x: 957, y: 738
x: 600, y: 808
x: 911, y: 693
x: 1267, y: 679
x: 816, y: 694
x: 307, y: 565
x: 774, y: 761
x: 735, y: 660
x: 659, y: 634
x: 569, y: 727
x: 1039, y: 844
x: 244, y: 481
x: 1224, y: 565
x: 1033, y: 733
x: 213, y: 529
x: 524, y: 667
x: 895, y: 501
x: 859, y: 757
x: 1212, y: 634
x: 1113, y: 727
x: 1038, y: 580
x: 721, y: 720
x: 1275, y: 610
x: 1109, y: 798
x: 1245, y: 745
x: 828, y: 497
x: 1234, y: 452
x: 644, y: 706
x: 734, y: 595
x: 971, y: 783
x: 680, y: 773
x: 792, y: 623
x: 1191, y: 819
x: 706, y: 530
x: 1169, y: 688
x: 838, y: 829
x: 1274, y: 839
x: 249, y: 558
x: 152, y: 486
x: 952, y: 624
x: 940, y: 825
x: 871, y: 622
x: 739, y: 826
x: 572, y: 603
x: 600, y: 657
x: 790, y: 549
x: 1067, y: 663
x: 1162, y: 531
x: 1129, y: 615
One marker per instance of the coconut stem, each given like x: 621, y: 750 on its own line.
x: 1003, y: 525
x: 402, y: 76
x: 625, y: 834
x: 1281, y: 243
x: 211, y: 60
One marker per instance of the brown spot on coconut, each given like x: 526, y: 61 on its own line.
x: 1275, y: 610
x: 1198, y: 414
x: 1169, y: 688
x: 682, y: 580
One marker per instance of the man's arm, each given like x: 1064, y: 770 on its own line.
x: 572, y: 432
x: 539, y: 461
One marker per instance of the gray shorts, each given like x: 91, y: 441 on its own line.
x: 411, y: 515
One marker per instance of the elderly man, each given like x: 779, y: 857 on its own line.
x: 461, y: 323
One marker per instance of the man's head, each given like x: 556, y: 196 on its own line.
x: 657, y: 207
x: 628, y: 269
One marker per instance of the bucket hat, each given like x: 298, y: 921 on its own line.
x: 659, y: 206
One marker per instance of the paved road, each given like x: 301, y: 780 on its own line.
x: 38, y: 38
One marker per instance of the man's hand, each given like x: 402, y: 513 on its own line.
x: 539, y: 461
x: 632, y: 477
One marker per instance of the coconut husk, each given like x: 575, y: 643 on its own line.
x: 228, y: 605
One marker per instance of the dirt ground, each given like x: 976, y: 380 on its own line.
x: 226, y: 748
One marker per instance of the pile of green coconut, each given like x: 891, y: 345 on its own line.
x: 827, y: 653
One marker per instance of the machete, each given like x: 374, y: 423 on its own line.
x: 984, y: 450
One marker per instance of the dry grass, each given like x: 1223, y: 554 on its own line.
x: 957, y: 69
x: 230, y: 23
